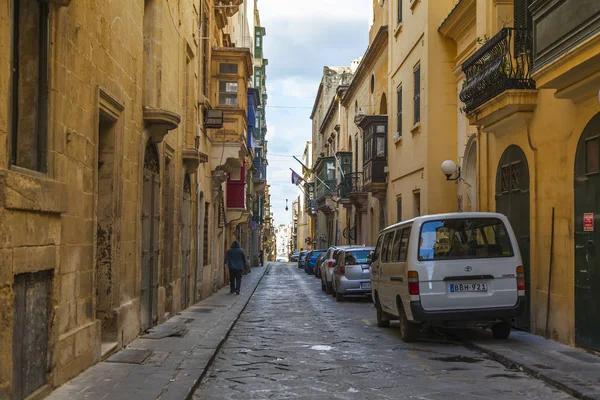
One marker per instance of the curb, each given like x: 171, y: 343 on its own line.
x: 533, y: 372
x: 211, y: 360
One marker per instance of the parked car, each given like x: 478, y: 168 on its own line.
x: 294, y: 257
x: 282, y: 259
x: 311, y: 260
x: 352, y: 272
x: 318, y: 263
x: 327, y: 268
x: 301, y: 258
x: 449, y: 269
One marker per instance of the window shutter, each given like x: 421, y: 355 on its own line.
x: 400, y: 112
x: 399, y: 11
x: 417, y: 96
x: 522, y: 16
x: 399, y: 208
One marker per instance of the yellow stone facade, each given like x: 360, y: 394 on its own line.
x: 112, y: 143
x: 544, y: 129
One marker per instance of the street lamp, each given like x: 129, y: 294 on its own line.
x: 449, y: 168
x: 286, y: 205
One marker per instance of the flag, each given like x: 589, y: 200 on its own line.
x: 296, y: 179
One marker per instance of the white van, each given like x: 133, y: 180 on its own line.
x: 448, y: 269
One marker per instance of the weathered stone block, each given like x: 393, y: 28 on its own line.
x: 33, y: 193
x: 67, y: 288
x: 86, y: 284
x: 63, y: 314
x: 13, y: 229
x: 6, y: 267
x: 73, y: 257
x: 6, y: 306
x: 66, y: 350
x: 34, y: 259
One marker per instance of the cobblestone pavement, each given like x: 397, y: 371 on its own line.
x: 295, y: 342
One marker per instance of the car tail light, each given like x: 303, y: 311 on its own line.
x: 520, y: 278
x: 330, y: 263
x: 343, y: 269
x: 413, y: 283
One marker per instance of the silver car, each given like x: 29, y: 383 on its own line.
x: 352, y: 272
x: 327, y: 266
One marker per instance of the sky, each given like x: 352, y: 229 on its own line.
x: 302, y: 37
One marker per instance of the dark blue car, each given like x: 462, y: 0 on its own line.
x: 311, y: 260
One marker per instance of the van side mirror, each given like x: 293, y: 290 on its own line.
x: 370, y: 257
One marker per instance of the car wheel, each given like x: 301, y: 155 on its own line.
x: 339, y: 297
x: 408, y: 329
x: 328, y: 288
x: 323, y: 287
x: 501, y: 330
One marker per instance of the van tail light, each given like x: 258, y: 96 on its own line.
x: 330, y: 264
x: 343, y: 269
x: 413, y: 283
x: 520, y: 278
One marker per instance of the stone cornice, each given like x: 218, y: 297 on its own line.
x: 159, y: 122
x: 369, y: 59
x: 460, y: 19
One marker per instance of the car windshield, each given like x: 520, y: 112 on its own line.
x: 467, y: 238
x: 356, y: 257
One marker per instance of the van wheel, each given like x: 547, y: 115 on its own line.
x: 501, y: 330
x: 328, y: 288
x: 408, y: 329
x: 383, y: 320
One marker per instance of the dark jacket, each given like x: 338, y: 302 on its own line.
x: 235, y: 257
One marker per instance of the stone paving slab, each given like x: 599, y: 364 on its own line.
x: 174, y: 365
x: 573, y: 370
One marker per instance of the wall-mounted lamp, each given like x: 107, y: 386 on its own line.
x: 286, y: 205
x: 449, y: 168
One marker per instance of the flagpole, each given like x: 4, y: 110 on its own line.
x: 312, y: 172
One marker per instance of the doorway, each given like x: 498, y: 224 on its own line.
x: 512, y: 200
x: 186, y: 252
x: 150, y: 235
x: 587, y: 236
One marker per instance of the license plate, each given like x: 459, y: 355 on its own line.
x: 468, y: 287
x: 365, y: 285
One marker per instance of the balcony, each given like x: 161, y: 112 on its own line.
x: 374, y: 129
x: 326, y: 184
x: 498, y: 78
x: 260, y: 176
x: 237, y: 210
x: 354, y: 190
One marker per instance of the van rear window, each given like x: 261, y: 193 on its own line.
x: 454, y: 239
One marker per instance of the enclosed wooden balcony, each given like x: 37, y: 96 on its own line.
x: 374, y: 129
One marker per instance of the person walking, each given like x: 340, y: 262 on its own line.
x: 261, y: 257
x: 236, y: 261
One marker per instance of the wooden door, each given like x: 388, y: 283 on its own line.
x: 512, y: 200
x: 587, y: 237
x: 186, y: 251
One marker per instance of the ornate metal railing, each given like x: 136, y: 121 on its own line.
x: 325, y: 188
x: 261, y: 171
x: 352, y: 183
x: 502, y: 63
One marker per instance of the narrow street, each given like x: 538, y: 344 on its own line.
x: 294, y: 341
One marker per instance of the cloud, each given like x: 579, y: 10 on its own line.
x: 307, y: 10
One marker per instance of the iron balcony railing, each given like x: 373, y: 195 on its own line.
x: 352, y: 183
x: 502, y: 63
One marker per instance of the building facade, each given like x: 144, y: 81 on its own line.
x: 117, y: 219
x: 529, y: 145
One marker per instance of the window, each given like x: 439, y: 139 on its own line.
x: 592, y: 155
x: 228, y: 68
x: 396, y: 247
x: 372, y: 83
x: 404, y: 244
x: 399, y: 11
x: 377, y: 246
x: 387, y: 244
x: 380, y: 146
x: 356, y: 257
x: 399, y: 209
x: 228, y: 93
x: 399, y: 111
x: 417, y: 98
x: 417, y: 201
x: 29, y: 84
x: 464, y: 238
x: 257, y: 81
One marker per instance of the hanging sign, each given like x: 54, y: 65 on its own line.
x: 588, y: 222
